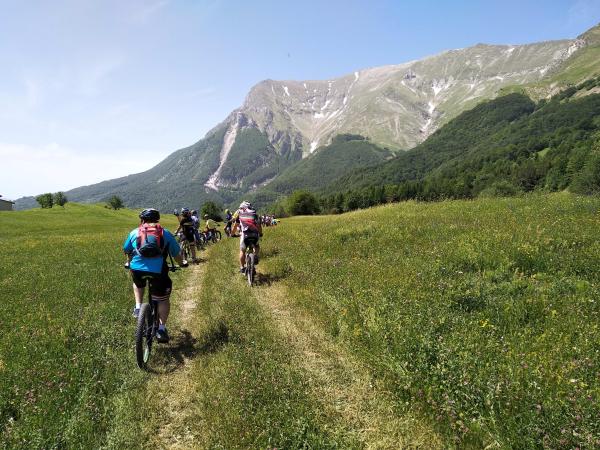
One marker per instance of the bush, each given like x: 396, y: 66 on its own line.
x: 302, y: 203
x: 60, y: 199
x: 115, y: 203
x: 45, y: 200
x: 211, y: 210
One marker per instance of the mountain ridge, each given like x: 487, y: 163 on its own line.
x: 396, y: 106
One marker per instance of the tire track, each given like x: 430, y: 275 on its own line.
x: 341, y: 384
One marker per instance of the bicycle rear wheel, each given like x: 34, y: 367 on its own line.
x: 217, y: 235
x: 250, y: 268
x: 143, y: 336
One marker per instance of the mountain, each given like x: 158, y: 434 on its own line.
x: 283, y: 122
x: 501, y: 147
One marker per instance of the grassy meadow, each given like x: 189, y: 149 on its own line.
x: 459, y: 324
x: 67, y: 373
x: 484, y: 314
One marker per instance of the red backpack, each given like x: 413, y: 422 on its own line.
x: 150, y: 240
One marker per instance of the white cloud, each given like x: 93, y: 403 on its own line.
x: 30, y: 170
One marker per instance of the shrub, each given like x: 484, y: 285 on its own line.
x: 302, y: 203
x: 45, y: 200
x: 212, y: 210
x: 60, y: 199
x: 115, y: 203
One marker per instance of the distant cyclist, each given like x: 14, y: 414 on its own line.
x: 210, y: 227
x: 149, y: 245
x: 248, y: 222
x: 196, y: 221
x: 228, y: 222
x: 186, y: 227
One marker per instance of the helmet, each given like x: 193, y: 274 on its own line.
x: 245, y: 205
x: 227, y: 211
x: 150, y: 215
x: 176, y: 212
x: 185, y: 210
x: 206, y: 216
x: 194, y: 212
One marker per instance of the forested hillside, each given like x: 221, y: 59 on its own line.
x: 502, y: 147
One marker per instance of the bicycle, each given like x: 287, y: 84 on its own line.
x: 213, y: 236
x: 184, y: 244
x: 251, y: 260
x: 147, y: 326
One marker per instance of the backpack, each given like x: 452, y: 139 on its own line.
x: 150, y: 240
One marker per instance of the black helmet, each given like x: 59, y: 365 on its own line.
x: 150, y: 215
x: 185, y: 210
x: 194, y: 212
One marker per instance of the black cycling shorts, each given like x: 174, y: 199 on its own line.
x: 188, y: 234
x: 160, y: 283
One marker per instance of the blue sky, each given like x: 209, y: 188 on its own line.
x: 91, y: 90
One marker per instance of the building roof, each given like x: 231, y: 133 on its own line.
x: 5, y: 200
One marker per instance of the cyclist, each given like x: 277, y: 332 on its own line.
x: 228, y: 222
x: 186, y: 226
x: 196, y: 221
x: 210, y: 227
x: 150, y: 244
x: 248, y: 222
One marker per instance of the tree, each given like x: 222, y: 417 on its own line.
x: 302, y: 203
x: 60, y: 199
x: 45, y: 200
x: 212, y: 210
x: 115, y: 202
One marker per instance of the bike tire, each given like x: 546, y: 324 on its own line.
x: 143, y: 336
x: 250, y: 268
x: 217, y: 235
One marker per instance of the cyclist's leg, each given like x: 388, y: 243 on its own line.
x: 139, y: 285
x: 160, y: 289
x: 242, y: 252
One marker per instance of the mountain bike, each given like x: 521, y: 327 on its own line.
x: 186, y: 251
x: 251, y: 258
x: 214, y: 236
x: 147, y: 325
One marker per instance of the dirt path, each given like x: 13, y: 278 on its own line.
x: 342, y: 384
x: 173, y: 386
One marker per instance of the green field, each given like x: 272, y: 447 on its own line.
x: 431, y: 325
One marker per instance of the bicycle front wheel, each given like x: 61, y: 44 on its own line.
x: 217, y: 235
x: 143, y: 336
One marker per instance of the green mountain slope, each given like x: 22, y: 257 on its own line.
x: 508, y: 143
x: 345, y: 153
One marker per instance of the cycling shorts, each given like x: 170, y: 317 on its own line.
x: 160, y: 283
x: 247, y: 239
x: 189, y: 234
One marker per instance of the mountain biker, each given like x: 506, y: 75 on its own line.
x: 150, y: 244
x: 228, y: 220
x: 210, y: 227
x: 196, y: 221
x: 248, y: 222
x: 186, y: 226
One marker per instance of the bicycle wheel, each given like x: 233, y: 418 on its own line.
x: 143, y: 336
x: 217, y: 235
x: 250, y: 268
x: 185, y: 250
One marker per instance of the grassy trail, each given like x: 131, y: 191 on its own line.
x: 278, y: 381
x: 342, y: 385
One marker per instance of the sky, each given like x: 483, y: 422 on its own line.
x: 95, y: 89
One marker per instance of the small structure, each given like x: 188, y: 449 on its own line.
x: 6, y: 205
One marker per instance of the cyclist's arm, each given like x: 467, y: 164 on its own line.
x: 128, y: 245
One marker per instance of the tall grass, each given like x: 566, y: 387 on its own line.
x: 67, y: 375
x: 485, y: 313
